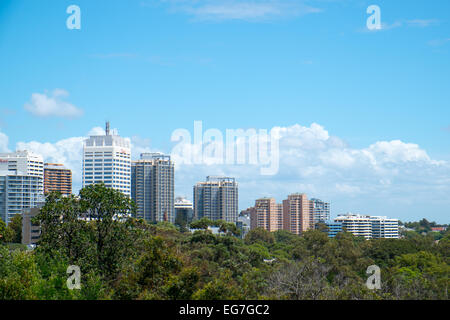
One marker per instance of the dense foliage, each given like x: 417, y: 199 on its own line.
x: 121, y: 257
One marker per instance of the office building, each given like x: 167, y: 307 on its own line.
x: 216, y: 198
x: 267, y: 214
x: 57, y: 178
x: 153, y: 187
x: 107, y: 159
x: 184, y: 211
x: 296, y: 213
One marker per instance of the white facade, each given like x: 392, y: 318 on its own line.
x: 107, y: 159
x: 382, y: 227
x: 183, y: 203
x: 369, y: 227
x: 18, y: 192
x: 24, y: 163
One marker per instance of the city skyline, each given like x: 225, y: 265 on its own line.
x: 362, y: 115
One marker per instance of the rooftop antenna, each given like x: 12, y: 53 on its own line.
x: 107, y: 128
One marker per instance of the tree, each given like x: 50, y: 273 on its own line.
x: 15, y: 229
x: 93, y: 231
x: 19, y: 276
x: 63, y: 231
x: 3, y: 232
x: 259, y: 235
x: 300, y: 281
x: 202, y: 223
x: 109, y: 211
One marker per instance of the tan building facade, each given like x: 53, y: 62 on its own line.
x: 296, y: 213
x: 267, y: 214
x: 57, y: 178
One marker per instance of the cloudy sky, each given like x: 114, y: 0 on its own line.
x: 363, y: 117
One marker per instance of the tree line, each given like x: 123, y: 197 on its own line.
x: 121, y: 257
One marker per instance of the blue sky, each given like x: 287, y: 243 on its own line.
x: 152, y: 66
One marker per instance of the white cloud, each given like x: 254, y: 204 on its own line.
x: 438, y: 42
x: 423, y: 22
x: 43, y: 105
x: 386, y: 173
x: 348, y: 189
x: 397, y: 151
x: 4, y: 142
x: 97, y: 131
x: 401, y: 23
x: 391, y: 178
x: 249, y: 10
x: 66, y: 151
x: 70, y: 151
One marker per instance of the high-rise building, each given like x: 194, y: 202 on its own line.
x: 369, y: 227
x: 267, y: 214
x: 244, y: 224
x: 24, y: 163
x: 18, y: 192
x: 107, y: 159
x: 57, y: 178
x: 319, y: 211
x: 21, y: 183
x: 296, y: 213
x: 153, y: 187
x: 184, y: 211
x: 216, y: 198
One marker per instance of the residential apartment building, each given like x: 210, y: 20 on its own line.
x: 216, y: 198
x: 57, y: 178
x: 24, y: 163
x: 153, y: 187
x: 184, y: 211
x: 267, y: 214
x: 107, y: 159
x: 296, y: 213
x: 319, y: 211
x: 384, y: 228
x: 369, y: 227
x: 21, y: 182
x: 243, y: 224
x: 332, y: 228
x: 17, y: 193
x: 358, y: 225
